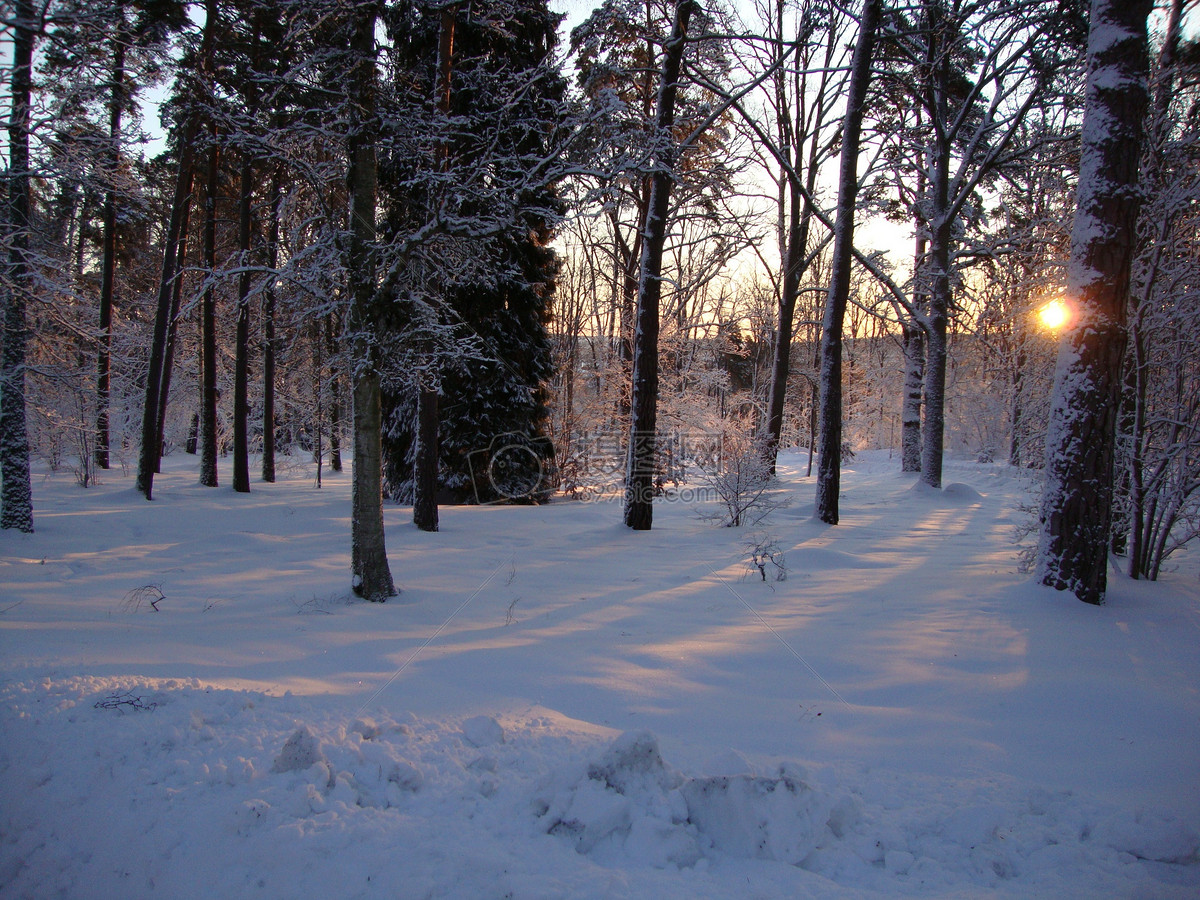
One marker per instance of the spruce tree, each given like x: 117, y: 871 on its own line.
x: 493, y: 399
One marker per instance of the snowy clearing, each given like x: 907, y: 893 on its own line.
x: 191, y: 705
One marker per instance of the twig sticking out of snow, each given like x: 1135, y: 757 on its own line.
x: 150, y: 594
x: 119, y: 701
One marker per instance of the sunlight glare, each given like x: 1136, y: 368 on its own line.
x: 1054, y: 315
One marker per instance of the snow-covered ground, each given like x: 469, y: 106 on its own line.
x: 557, y: 707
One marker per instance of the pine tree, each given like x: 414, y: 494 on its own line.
x: 504, y: 99
x: 371, y: 576
x: 16, y: 492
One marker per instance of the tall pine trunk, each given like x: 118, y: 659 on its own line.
x: 425, y: 470
x: 425, y: 455
x: 933, y: 282
x: 937, y: 351
x: 16, y: 490
x: 269, y: 339
x: 912, y: 331
x: 829, y: 476
x: 639, y: 487
x: 241, y: 363
x: 913, y: 341
x: 370, y: 576
x: 108, y: 262
x: 335, y: 394
x: 148, y: 457
x: 168, y: 366
x: 1076, y: 512
x: 208, y: 321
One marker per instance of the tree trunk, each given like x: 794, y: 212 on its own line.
x: 148, y: 457
x: 1076, y: 513
x: 913, y: 342
x: 910, y: 412
x: 425, y: 456
x: 936, y: 263
x: 16, y: 490
x: 168, y: 367
x: 269, y: 340
x: 639, y: 486
x: 370, y: 576
x: 1016, y: 419
x: 781, y: 362
x: 108, y: 261
x: 830, y: 462
x: 425, y: 469
x: 335, y: 395
x: 937, y: 356
x: 208, y: 322
x: 241, y: 361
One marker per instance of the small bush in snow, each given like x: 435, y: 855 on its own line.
x: 766, y: 556
x: 1028, y: 526
x: 741, y: 482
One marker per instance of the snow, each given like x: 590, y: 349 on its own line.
x: 556, y: 706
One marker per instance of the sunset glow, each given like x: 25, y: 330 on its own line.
x: 1054, y: 315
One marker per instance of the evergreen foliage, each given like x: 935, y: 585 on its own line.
x: 506, y: 98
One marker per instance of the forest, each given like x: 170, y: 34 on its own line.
x: 488, y: 252
x: 750, y: 390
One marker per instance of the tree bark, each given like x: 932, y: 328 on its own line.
x: 148, y: 457
x: 936, y: 263
x: 370, y: 576
x: 639, y: 486
x: 781, y: 361
x: 425, y: 456
x: 168, y: 366
x: 335, y: 395
x: 425, y: 470
x: 269, y: 340
x: 937, y: 351
x: 108, y: 263
x: 1076, y: 511
x: 208, y: 321
x: 16, y: 490
x: 241, y: 361
x: 910, y: 412
x: 830, y: 461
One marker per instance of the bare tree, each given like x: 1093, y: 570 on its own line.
x: 964, y: 78
x: 829, y: 467
x: 1158, y: 509
x: 803, y: 104
x: 639, y: 488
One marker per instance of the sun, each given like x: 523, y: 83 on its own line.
x: 1054, y: 315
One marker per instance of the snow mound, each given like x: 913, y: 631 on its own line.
x: 629, y: 804
x: 626, y: 805
x: 963, y: 493
x: 1161, y: 839
x: 300, y: 752
x: 956, y: 493
x: 483, y: 731
x: 753, y: 817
